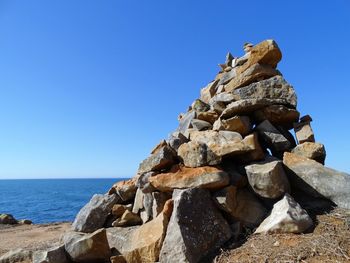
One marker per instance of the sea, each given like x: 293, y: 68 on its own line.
x: 49, y: 200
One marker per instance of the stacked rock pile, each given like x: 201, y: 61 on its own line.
x: 231, y: 164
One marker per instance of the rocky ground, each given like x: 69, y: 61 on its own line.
x: 329, y: 242
x: 31, y: 237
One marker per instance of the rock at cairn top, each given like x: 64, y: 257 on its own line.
x: 219, y: 170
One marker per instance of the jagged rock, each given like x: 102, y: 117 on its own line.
x: 7, y: 219
x: 185, y: 121
x: 16, y: 255
x: 159, y: 146
x: 241, y: 204
x: 163, y: 159
x: 257, y: 154
x: 159, y: 200
x: 87, y: 247
x: 311, y: 150
x: 277, y: 115
x: 196, y: 154
x: 94, y: 214
x: 119, y: 237
x: 275, y: 88
x: 200, y: 125
x: 208, y: 116
x: 317, y: 180
x: 182, y: 177
x: 209, y: 91
x: 176, y: 139
x: 199, y: 106
x: 264, y: 53
x: 53, y: 255
x: 223, y: 97
x: 240, y: 124
x: 287, y: 216
x: 236, y: 178
x: 146, y: 214
x: 218, y: 107
x: 303, y: 132
x: 227, y: 76
x: 138, y: 201
x: 273, y: 138
x: 268, y: 179
x: 145, y: 242
x: 126, y: 190
x: 196, y: 227
x: 255, y: 73
x: 127, y: 219
x: 118, y: 210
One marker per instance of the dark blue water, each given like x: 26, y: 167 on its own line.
x: 49, y: 200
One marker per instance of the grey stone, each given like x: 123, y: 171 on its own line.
x: 201, y: 125
x: 143, y: 184
x: 240, y: 124
x: 147, y: 214
x: 208, y: 92
x: 311, y: 150
x: 196, y: 227
x: 268, y: 179
x: 159, y: 200
x: 85, y: 248
x: 176, y: 139
x: 277, y: 115
x: 199, y: 105
x: 287, y: 216
x: 196, y: 154
x: 317, y: 180
x: 185, y: 121
x: 138, y: 201
x: 227, y: 76
x: 16, y: 255
x: 94, y: 214
x: 241, y: 205
x: 53, y: 255
x: 223, y: 97
x: 273, y: 138
x: 163, y: 159
x: 304, y: 132
x: 127, y: 219
x: 119, y: 237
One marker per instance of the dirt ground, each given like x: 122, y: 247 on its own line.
x: 328, y: 242
x: 31, y: 237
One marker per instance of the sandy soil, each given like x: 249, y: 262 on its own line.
x: 31, y: 237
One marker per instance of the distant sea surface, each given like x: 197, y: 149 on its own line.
x: 49, y: 200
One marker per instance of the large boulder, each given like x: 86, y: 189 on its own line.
x: 196, y: 227
x: 254, y: 73
x: 240, y: 124
x: 241, y: 205
x: 268, y: 179
x: 183, y: 177
x: 317, y: 180
x: 87, y: 248
x: 119, y: 238
x: 196, y: 154
x: 145, y: 242
x: 126, y: 189
x: 53, y: 255
x: 94, y: 214
x: 311, y: 150
x: 162, y: 159
x: 287, y: 216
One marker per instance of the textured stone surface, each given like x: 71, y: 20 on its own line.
x: 240, y: 124
x: 53, y: 255
x: 87, y: 247
x: 183, y: 177
x: 317, y: 180
x: 196, y: 154
x: 268, y: 179
x: 223, y: 97
x: 208, y: 92
x: 119, y: 237
x: 277, y: 115
x: 242, y: 205
x: 196, y: 228
x: 159, y: 200
x: 208, y: 116
x: 146, y: 241
x: 16, y: 255
x: 124, y: 189
x: 7, y: 219
x: 94, y: 214
x: 255, y: 73
x: 201, y: 125
x: 176, y: 139
x: 287, y: 216
x: 127, y: 219
x: 163, y: 159
x: 185, y: 121
x: 311, y: 150
x: 273, y: 138
x: 304, y: 132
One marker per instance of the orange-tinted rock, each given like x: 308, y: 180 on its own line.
x: 125, y: 189
x: 182, y: 177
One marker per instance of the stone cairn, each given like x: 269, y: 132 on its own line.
x: 231, y: 165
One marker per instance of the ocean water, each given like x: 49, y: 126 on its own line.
x: 49, y: 200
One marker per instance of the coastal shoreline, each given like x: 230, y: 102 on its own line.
x: 32, y: 237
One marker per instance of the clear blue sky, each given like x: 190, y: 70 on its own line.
x: 89, y: 87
